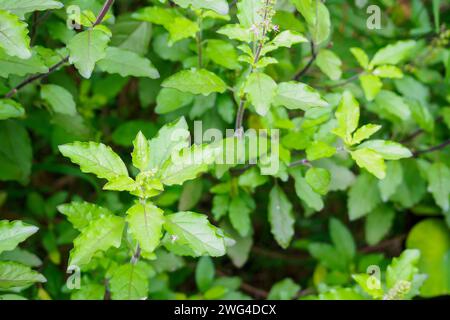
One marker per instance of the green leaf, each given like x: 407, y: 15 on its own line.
x: 169, y: 100
x: 389, y: 150
x: 131, y: 35
x: 219, y: 6
x: 306, y: 8
x: 145, y: 223
x: 361, y: 57
x: 249, y: 12
x: 186, y: 165
x: 190, y: 196
x: 413, y: 89
x: 394, y: 177
x: 22, y: 7
x: 60, y: 100
x: 294, y: 95
x: 86, y: 49
x: 359, y: 204
x: 240, y: 252
x: 90, y: 291
x: 370, y: 284
x: 371, y: 85
x: 222, y: 53
x: 11, y: 65
x: 21, y: 256
x: 306, y: 193
x: 100, y: 235
x: 402, y: 268
x: 413, y: 188
x: 285, y: 39
x: 204, y: 273
x: 281, y: 218
x: 318, y: 179
x: 14, y: 232
x: 156, y: 15
x: 236, y: 32
x: 320, y: 25
x: 220, y: 206
x: 15, y: 152
x: 378, y: 223
x: 126, y: 132
x: 330, y: 64
x: 421, y: 115
x: 252, y: 179
x: 121, y: 183
x: 171, y: 137
x: 370, y: 160
x: 393, y: 106
x: 432, y: 238
x: 130, y: 282
x: 10, y: 109
x: 387, y: 71
x: 341, y: 294
x: 341, y: 176
x: 365, y: 132
x: 342, y: 239
x: 261, y: 91
x: 393, y: 53
x: 285, y: 289
x: 347, y: 115
x: 181, y: 28
x: 95, y: 158
x: 80, y: 214
x: 239, y: 214
x: 436, y: 14
x: 201, y: 105
x: 194, y: 230
x: 327, y: 255
x: 141, y: 152
x: 439, y: 184
x: 15, y: 275
x: 195, y: 81
x: 14, y: 36
x: 319, y: 150
x: 127, y: 63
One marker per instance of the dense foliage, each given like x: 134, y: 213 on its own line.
x: 121, y: 179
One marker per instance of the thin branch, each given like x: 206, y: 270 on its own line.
x: 304, y: 292
x: 393, y: 244
x: 107, y: 295
x: 36, y: 77
x: 302, y: 72
x: 413, y: 135
x: 261, y: 43
x: 137, y: 255
x: 301, y: 162
x: 439, y: 147
x: 277, y: 255
x: 107, y: 5
x: 253, y: 291
x: 418, y: 132
x: 240, y: 117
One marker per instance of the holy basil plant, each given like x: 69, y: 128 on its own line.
x: 250, y: 149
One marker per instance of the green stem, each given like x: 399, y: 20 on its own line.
x: 257, y: 55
